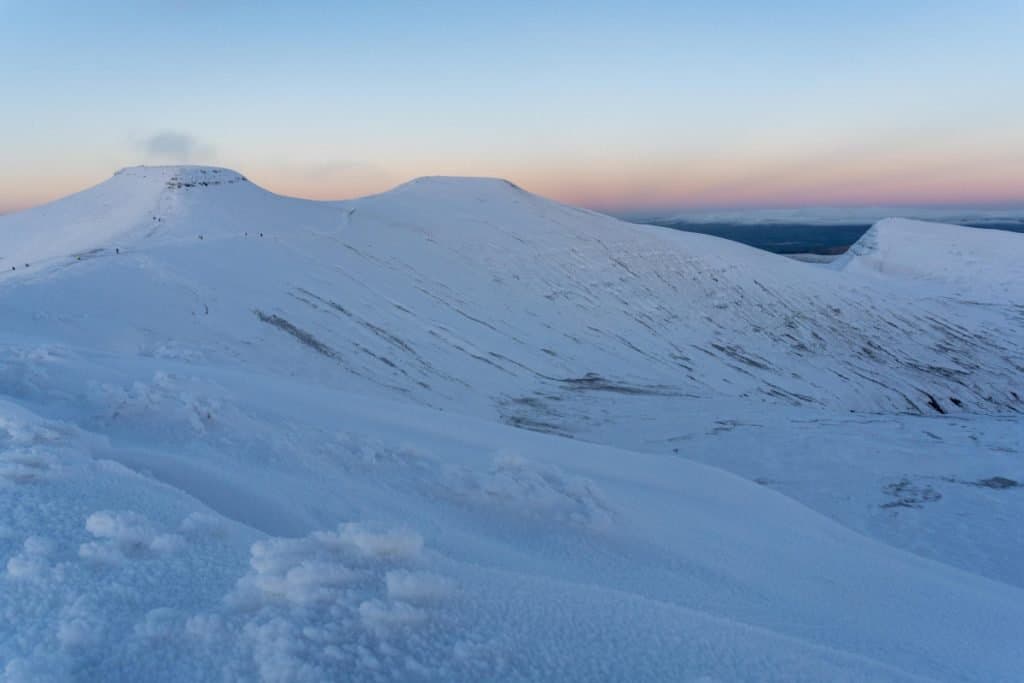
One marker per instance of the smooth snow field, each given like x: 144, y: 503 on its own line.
x: 458, y: 432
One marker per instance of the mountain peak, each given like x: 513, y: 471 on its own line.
x: 461, y: 186
x: 184, y: 176
x: 461, y: 181
x: 137, y: 198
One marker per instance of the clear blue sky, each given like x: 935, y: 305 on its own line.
x: 612, y: 105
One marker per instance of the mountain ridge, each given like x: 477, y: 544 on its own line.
x: 688, y: 313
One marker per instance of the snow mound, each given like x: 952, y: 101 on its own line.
x: 124, y: 534
x: 518, y: 487
x: 336, y: 605
x: 972, y: 260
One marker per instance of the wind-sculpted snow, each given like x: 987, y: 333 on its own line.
x: 544, y: 493
x: 247, y: 437
x: 111, y: 574
x: 333, y: 605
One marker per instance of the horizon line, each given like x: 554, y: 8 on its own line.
x: 656, y: 209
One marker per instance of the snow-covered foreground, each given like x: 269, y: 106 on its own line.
x: 459, y: 432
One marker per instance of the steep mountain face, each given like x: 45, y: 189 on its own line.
x: 249, y: 437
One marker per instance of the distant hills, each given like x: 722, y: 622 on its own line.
x: 822, y: 230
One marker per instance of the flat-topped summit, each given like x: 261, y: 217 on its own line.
x: 136, y: 202
x: 442, y: 181
x: 184, y: 177
x: 459, y: 187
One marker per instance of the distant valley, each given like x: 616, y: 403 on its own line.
x: 829, y: 233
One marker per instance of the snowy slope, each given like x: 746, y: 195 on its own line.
x: 200, y: 381
x: 465, y: 550
x: 85, y: 221
x: 985, y: 264
x: 402, y: 292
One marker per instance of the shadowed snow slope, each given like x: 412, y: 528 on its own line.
x: 244, y: 436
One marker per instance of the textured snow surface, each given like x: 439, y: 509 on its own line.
x: 459, y: 432
x: 988, y: 264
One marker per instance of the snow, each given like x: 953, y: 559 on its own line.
x: 459, y: 432
x: 85, y: 221
x: 930, y: 252
x: 124, y: 534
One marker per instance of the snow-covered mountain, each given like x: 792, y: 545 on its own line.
x: 983, y: 267
x: 406, y: 292
x: 201, y: 380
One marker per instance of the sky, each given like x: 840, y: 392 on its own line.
x: 622, y: 107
